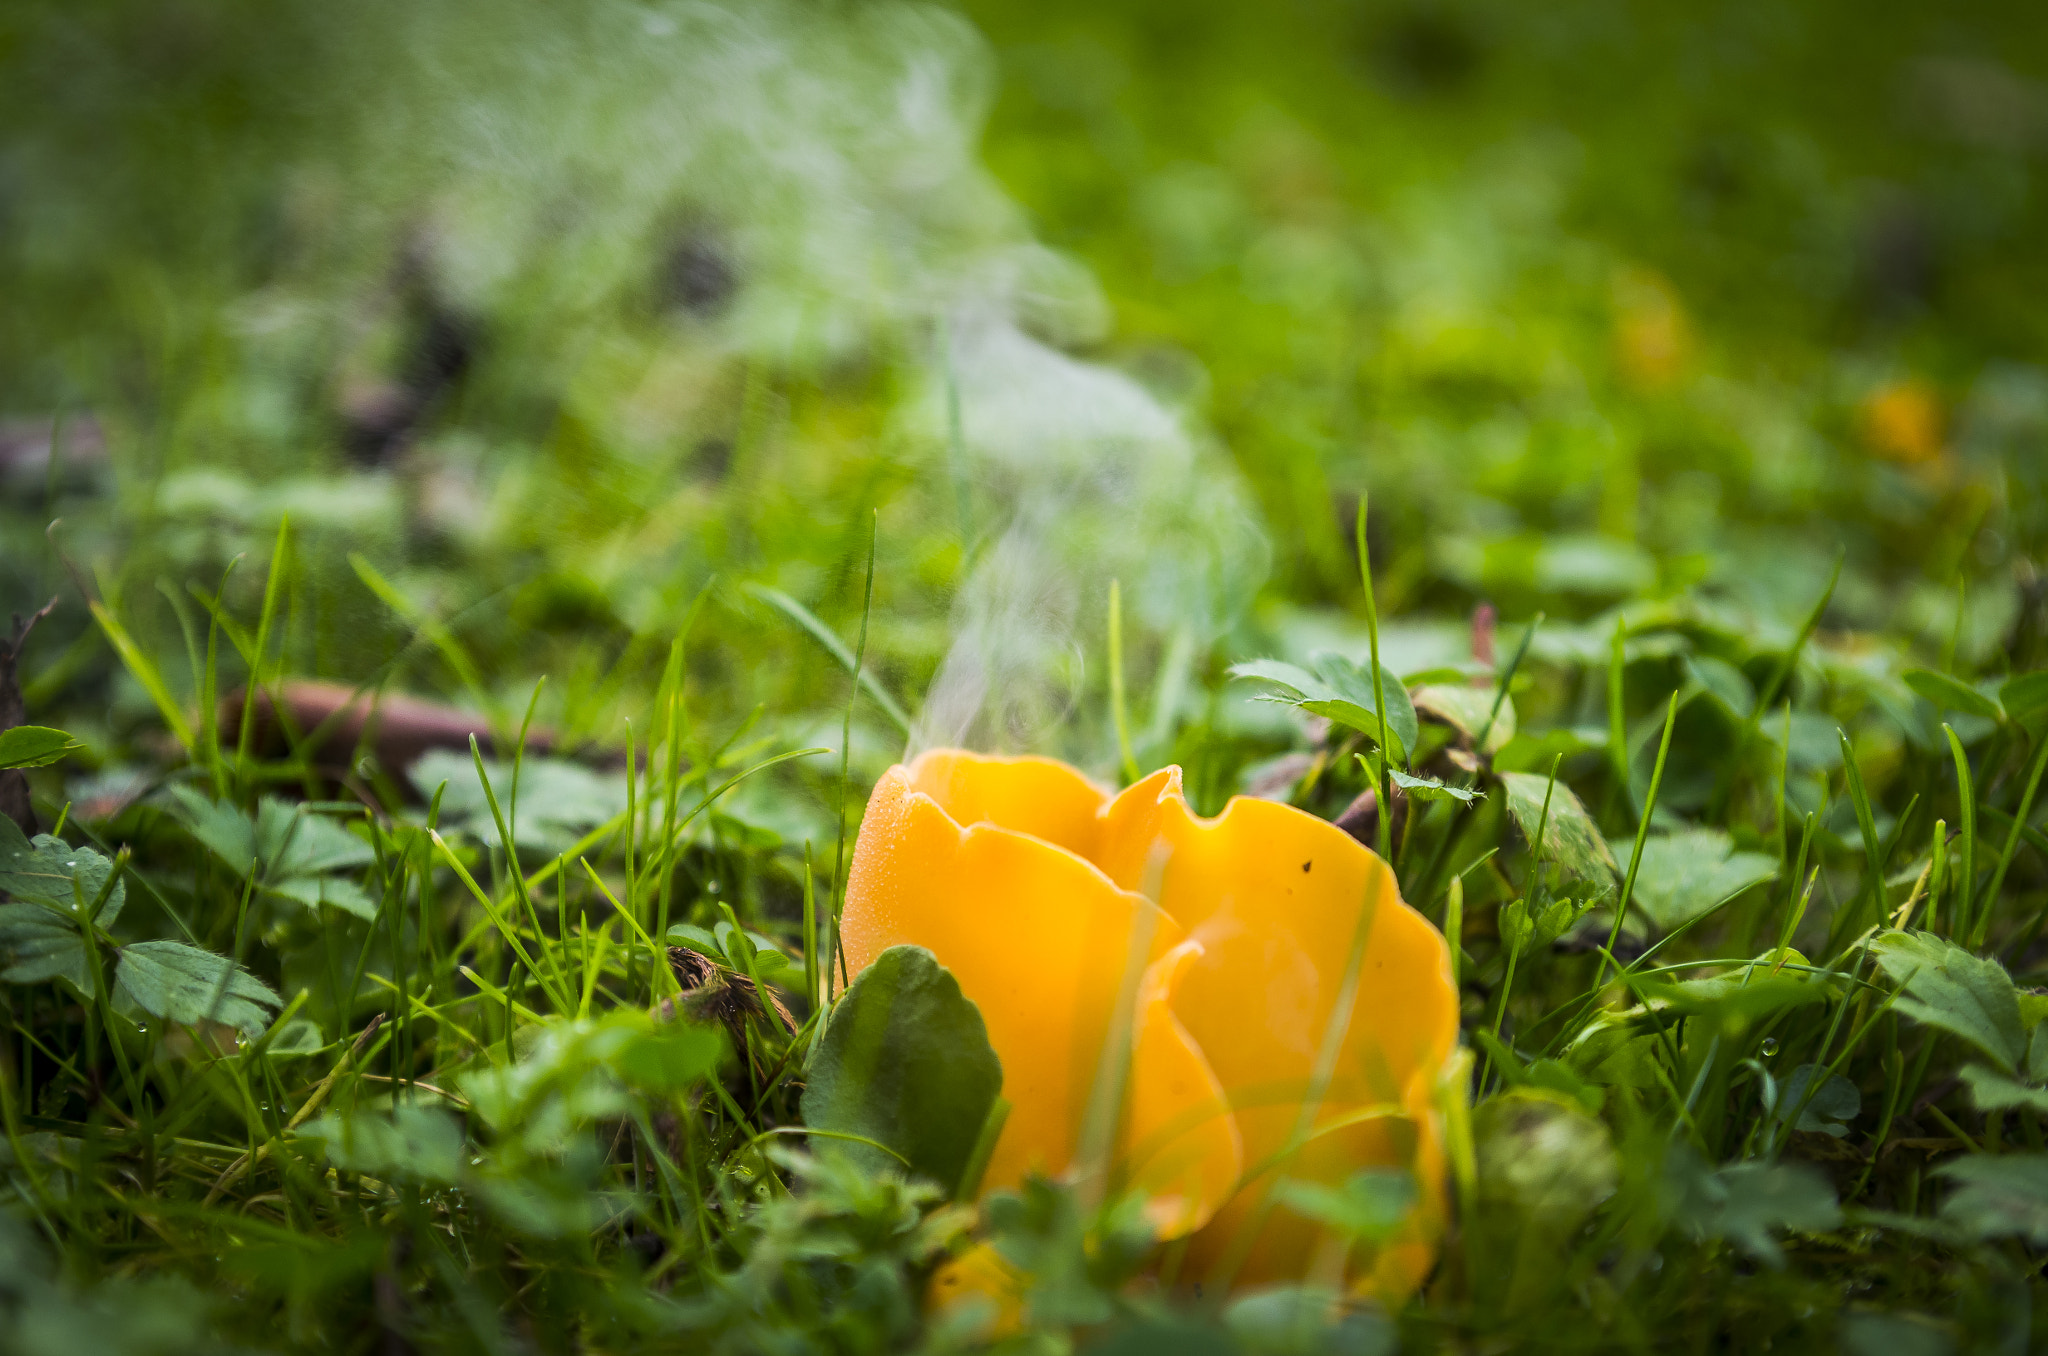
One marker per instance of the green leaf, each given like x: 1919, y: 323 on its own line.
x: 1950, y: 694
x: 1422, y: 788
x: 1688, y: 873
x: 1947, y: 987
x: 672, y: 1057
x: 294, y: 849
x: 2025, y: 699
x: 1993, y: 1091
x: 1466, y: 708
x: 293, y: 841
x: 40, y: 945
x: 1354, y: 685
x: 1570, y: 839
x: 1514, y: 926
x: 1372, y: 1205
x: 906, y: 1062
x: 1613, y: 1053
x: 33, y: 746
x: 334, y: 891
x: 1999, y: 1197
x: 1749, y: 1203
x: 1341, y: 692
x: 1727, y: 684
x: 417, y: 1143
x: 220, y: 827
x: 1534, y: 752
x: 1520, y: 929
x: 557, y: 802
x: 42, y: 871
x: 299, y: 1036
x: 181, y: 983
x: 1732, y: 1003
x: 1831, y: 1109
x: 700, y: 940
x: 1558, y: 1077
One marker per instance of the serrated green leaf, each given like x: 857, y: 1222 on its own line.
x: 416, y: 1143
x: 181, y: 983
x: 292, y: 841
x: 1945, y: 986
x: 1993, y: 1091
x: 336, y: 892
x: 42, y: 871
x: 1559, y: 916
x: 905, y: 1062
x: 1571, y: 841
x: 1999, y: 1197
x: 220, y: 827
x: 295, y: 850
x: 33, y: 746
x: 1950, y: 694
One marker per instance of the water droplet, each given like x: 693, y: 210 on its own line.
x: 1770, y: 1046
x: 476, y: 1162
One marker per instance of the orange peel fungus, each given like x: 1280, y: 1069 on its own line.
x: 1219, y: 949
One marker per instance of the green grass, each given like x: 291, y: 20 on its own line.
x: 679, y: 396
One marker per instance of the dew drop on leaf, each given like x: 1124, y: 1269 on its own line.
x: 1769, y: 1046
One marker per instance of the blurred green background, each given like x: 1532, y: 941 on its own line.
x: 555, y: 316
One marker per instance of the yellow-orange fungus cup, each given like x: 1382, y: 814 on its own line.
x: 1041, y: 892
